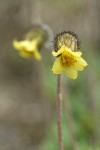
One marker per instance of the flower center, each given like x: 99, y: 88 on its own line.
x: 67, y: 58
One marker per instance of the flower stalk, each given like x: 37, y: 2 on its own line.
x: 69, y: 116
x: 59, y: 112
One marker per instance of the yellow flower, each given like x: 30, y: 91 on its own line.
x: 27, y: 48
x: 68, y: 62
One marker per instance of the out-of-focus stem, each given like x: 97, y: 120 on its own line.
x: 59, y: 112
x: 69, y: 115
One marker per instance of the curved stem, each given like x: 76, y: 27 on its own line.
x: 59, y: 112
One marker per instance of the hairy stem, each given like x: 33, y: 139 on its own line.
x: 59, y: 112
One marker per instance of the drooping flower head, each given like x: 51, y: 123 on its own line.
x: 68, y: 58
x: 30, y: 46
x: 27, y: 48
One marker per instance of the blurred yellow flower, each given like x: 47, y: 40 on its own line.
x: 27, y: 48
x: 68, y: 61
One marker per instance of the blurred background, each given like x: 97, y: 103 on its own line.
x: 28, y: 87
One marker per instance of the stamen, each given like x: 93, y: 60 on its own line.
x: 67, y: 58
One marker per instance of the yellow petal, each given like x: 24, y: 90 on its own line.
x: 27, y: 45
x: 77, y: 54
x: 57, y: 53
x: 54, y: 53
x: 22, y: 45
x: 32, y: 46
x: 82, y: 62
x: 78, y: 66
x: 71, y: 72
x: 57, y: 66
x: 60, y: 51
x: 25, y: 54
x: 16, y: 44
x: 37, y: 55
